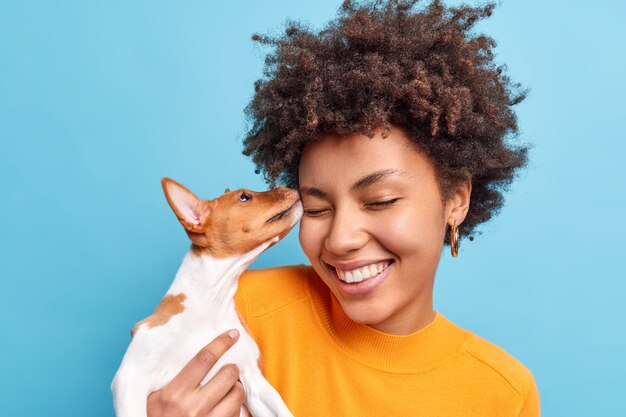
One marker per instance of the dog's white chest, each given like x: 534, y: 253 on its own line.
x: 198, y: 307
x: 161, y: 352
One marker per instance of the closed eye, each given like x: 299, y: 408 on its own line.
x: 382, y: 203
x: 314, y: 213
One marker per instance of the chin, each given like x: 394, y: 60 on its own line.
x: 365, y: 313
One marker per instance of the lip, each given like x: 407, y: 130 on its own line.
x: 362, y: 288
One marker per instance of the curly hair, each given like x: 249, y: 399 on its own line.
x: 392, y: 63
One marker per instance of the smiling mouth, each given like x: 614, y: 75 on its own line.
x: 363, y: 273
x: 280, y: 215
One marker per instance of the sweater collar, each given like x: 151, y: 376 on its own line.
x: 427, y: 348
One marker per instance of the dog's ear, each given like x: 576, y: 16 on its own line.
x: 192, y: 212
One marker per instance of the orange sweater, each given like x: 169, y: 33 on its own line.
x: 323, y: 364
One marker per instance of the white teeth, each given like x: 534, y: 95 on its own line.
x: 374, y: 270
x: 360, y: 274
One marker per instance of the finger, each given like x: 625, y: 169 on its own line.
x: 217, y: 388
x: 231, y: 404
x: 197, y: 368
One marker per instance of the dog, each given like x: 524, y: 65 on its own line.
x: 227, y: 234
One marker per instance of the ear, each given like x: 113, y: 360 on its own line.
x: 459, y: 201
x: 192, y: 212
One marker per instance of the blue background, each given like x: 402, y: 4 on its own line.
x: 99, y: 100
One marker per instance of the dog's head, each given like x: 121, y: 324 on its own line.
x: 236, y: 222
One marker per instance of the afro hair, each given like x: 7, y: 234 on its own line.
x: 387, y: 63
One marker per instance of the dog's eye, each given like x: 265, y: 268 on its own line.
x: 245, y: 197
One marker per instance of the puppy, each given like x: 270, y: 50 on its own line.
x: 227, y: 234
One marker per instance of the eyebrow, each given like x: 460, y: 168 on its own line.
x: 374, y: 177
x: 361, y: 183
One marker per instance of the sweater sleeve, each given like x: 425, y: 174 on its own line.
x: 531, y: 406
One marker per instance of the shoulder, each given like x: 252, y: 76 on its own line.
x: 500, y: 364
x: 263, y: 291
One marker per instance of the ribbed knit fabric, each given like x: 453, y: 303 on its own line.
x: 324, y: 364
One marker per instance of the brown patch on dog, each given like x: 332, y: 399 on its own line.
x: 169, y: 306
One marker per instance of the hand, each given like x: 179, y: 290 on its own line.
x: 222, y: 395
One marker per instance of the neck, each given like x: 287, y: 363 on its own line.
x: 209, y: 279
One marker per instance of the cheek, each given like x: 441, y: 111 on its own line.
x: 310, y: 239
x: 410, y: 231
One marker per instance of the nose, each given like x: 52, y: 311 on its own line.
x: 346, y: 233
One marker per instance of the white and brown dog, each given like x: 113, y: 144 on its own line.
x: 227, y: 234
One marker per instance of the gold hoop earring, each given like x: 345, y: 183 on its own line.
x: 454, y: 240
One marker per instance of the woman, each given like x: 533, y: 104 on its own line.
x: 393, y: 124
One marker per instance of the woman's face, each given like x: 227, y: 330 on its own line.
x: 374, y: 225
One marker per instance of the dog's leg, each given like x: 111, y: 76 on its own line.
x: 130, y: 397
x: 261, y: 398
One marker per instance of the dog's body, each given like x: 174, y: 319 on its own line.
x: 200, y: 304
